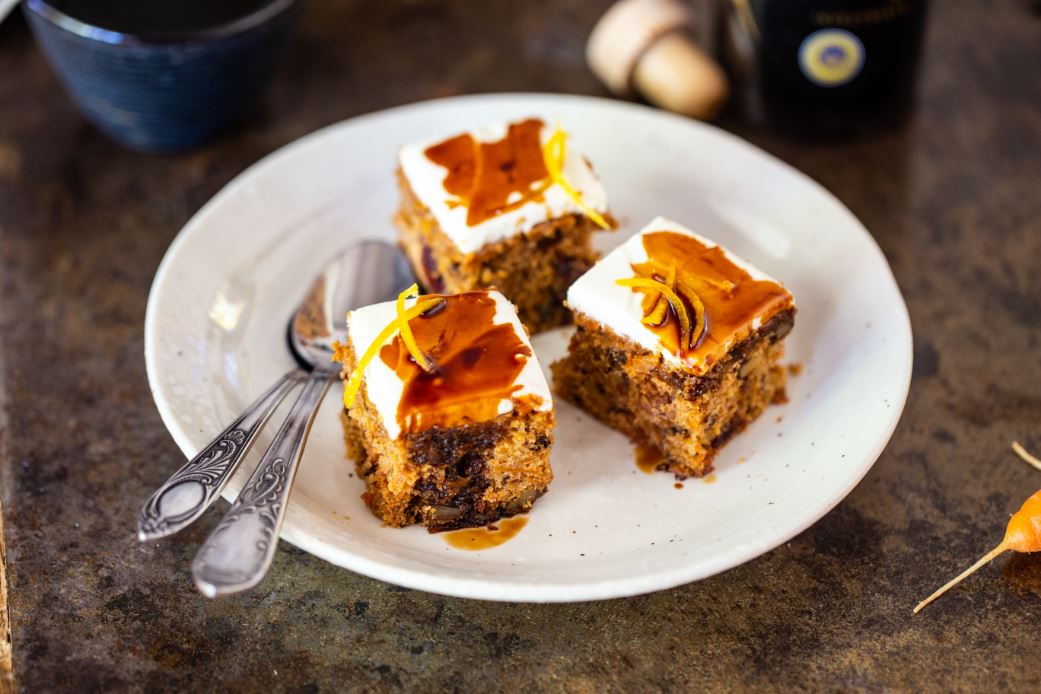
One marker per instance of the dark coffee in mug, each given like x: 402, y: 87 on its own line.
x: 150, y: 18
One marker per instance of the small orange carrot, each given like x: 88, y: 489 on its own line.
x: 1025, y: 455
x: 1023, y: 534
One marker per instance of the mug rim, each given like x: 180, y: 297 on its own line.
x: 49, y: 13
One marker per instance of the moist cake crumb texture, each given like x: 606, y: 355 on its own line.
x: 479, y: 209
x: 463, y: 444
x: 677, y: 344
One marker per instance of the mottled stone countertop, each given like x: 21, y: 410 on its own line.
x: 953, y: 198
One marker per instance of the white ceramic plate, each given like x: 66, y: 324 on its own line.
x: 214, y: 339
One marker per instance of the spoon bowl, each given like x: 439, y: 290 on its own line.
x: 365, y: 273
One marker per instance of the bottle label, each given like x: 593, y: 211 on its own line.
x: 831, y: 57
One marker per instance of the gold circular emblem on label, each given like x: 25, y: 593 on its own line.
x: 831, y: 57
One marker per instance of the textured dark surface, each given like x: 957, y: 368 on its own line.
x: 953, y: 199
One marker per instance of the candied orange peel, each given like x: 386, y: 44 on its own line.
x: 554, y: 153
x: 422, y: 305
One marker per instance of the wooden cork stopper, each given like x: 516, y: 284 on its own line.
x: 645, y: 45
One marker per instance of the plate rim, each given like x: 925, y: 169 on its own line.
x: 497, y: 589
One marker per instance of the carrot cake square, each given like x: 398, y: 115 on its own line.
x: 449, y: 419
x: 507, y: 205
x: 677, y: 344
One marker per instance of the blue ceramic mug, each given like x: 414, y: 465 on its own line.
x: 163, y: 92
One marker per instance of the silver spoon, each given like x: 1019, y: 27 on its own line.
x: 238, y: 552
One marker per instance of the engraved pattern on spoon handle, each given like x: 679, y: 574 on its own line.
x: 190, y: 491
x: 237, y: 554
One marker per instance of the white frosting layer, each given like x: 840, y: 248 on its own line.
x: 385, y: 389
x: 427, y: 181
x: 597, y: 295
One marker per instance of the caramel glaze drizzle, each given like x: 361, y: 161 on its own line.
x: 731, y: 297
x: 490, y: 178
x: 475, y: 364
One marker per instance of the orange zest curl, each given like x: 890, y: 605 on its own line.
x: 406, y: 331
x: 650, y: 301
x: 656, y: 270
x: 661, y: 290
x: 422, y: 305
x: 659, y: 270
x: 700, y: 313
x: 1023, y: 534
x: 554, y: 153
x: 652, y: 285
x: 657, y: 312
x: 655, y: 306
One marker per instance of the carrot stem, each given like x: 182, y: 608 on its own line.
x: 1025, y: 455
x: 963, y: 575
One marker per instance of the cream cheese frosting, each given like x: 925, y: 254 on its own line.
x: 427, y: 181
x: 597, y: 295
x: 385, y: 388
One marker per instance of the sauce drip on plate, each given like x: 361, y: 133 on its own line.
x: 476, y: 539
x: 490, y: 178
x: 648, y: 458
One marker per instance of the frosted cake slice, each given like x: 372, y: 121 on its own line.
x: 506, y: 205
x: 677, y: 345
x: 450, y: 421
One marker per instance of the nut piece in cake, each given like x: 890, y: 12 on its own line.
x: 447, y: 414
x: 509, y: 205
x: 677, y: 344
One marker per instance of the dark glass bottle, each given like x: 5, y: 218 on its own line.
x: 829, y: 67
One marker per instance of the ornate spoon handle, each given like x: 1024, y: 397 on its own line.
x: 238, y: 552
x: 190, y: 491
